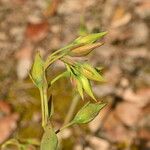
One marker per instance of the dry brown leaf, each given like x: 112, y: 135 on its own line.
x: 7, y: 125
x: 121, y: 17
x: 128, y: 113
x: 141, y: 97
x: 115, y: 131
x: 37, y: 31
x: 5, y: 107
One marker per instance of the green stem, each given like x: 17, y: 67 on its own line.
x: 48, y: 63
x: 53, y: 57
x: 44, y: 106
x: 72, y: 108
x: 64, y: 127
x: 58, y: 51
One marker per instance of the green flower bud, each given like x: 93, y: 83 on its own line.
x: 84, y: 50
x: 37, y: 71
x: 80, y: 88
x: 89, y: 72
x: 86, y: 86
x: 88, y: 112
x: 91, y: 38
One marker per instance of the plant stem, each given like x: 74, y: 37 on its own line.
x: 72, y: 108
x: 44, y: 106
x: 64, y: 127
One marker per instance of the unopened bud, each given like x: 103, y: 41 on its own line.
x: 88, y: 112
x: 84, y: 50
x: 91, y: 38
x: 37, y: 71
x: 90, y: 72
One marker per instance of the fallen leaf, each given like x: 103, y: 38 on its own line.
x: 120, y: 17
x: 115, y: 131
x: 37, y: 31
x: 128, y: 113
x: 141, y: 97
x: 7, y: 125
x: 5, y: 107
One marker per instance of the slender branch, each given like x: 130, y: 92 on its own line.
x: 44, y: 104
x: 64, y: 127
x: 72, y: 108
x: 42, y: 108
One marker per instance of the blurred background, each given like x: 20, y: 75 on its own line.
x: 46, y: 25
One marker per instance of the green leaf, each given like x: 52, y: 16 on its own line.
x: 89, y: 72
x: 49, y: 139
x: 37, y: 71
x: 90, y: 38
x: 88, y: 112
x: 86, y: 86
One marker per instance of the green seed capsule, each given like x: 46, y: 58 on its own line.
x: 86, y: 86
x: 91, y: 38
x: 37, y: 71
x: 88, y: 112
x: 89, y: 72
x: 84, y: 50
